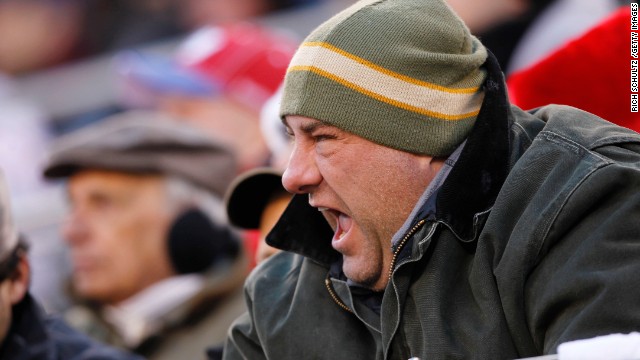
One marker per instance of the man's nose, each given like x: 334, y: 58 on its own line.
x: 74, y: 228
x: 302, y: 173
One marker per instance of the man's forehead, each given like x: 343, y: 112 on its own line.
x: 98, y: 179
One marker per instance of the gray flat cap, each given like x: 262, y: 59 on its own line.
x: 8, y: 233
x: 144, y: 142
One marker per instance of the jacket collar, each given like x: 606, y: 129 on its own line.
x: 471, y: 187
x: 302, y: 229
x: 474, y: 182
x: 27, y: 335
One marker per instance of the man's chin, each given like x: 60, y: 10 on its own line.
x: 89, y: 289
x: 367, y: 280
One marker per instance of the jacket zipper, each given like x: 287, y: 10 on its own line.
x: 401, y: 245
x: 334, y: 296
x: 391, y: 268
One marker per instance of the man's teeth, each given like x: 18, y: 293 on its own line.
x: 322, y: 209
x: 342, y: 234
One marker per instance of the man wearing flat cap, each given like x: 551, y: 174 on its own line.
x: 26, y: 331
x: 459, y: 226
x: 155, y: 266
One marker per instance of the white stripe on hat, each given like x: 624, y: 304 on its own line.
x: 385, y: 85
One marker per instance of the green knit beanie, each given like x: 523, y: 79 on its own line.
x: 401, y: 73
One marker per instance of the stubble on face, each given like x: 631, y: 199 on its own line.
x: 368, y: 188
x: 394, y: 188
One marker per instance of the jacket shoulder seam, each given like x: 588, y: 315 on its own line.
x: 571, y: 145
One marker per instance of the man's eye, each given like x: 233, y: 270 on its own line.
x: 101, y: 202
x: 322, y: 137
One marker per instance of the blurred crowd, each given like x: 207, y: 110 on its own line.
x: 132, y: 133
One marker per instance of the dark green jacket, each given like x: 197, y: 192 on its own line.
x: 533, y: 240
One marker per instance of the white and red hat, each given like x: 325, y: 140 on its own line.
x: 591, y: 72
x: 243, y: 61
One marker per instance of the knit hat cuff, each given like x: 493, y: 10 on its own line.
x: 434, y: 131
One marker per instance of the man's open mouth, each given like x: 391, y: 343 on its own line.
x: 340, y: 222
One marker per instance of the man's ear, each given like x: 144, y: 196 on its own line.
x: 19, y: 281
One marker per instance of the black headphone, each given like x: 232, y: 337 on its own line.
x: 196, y: 243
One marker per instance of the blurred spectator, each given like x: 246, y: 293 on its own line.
x: 256, y: 198
x: 559, y: 22
x: 30, y: 40
x: 155, y: 265
x: 82, y: 69
x: 255, y: 201
x: 483, y: 15
x: 274, y: 132
x: 22, y: 131
x: 218, y: 81
x: 521, y: 32
x: 111, y: 25
x: 198, y: 13
x: 567, y: 75
x: 24, y: 139
x: 82, y: 29
x: 26, y: 332
x: 94, y: 27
